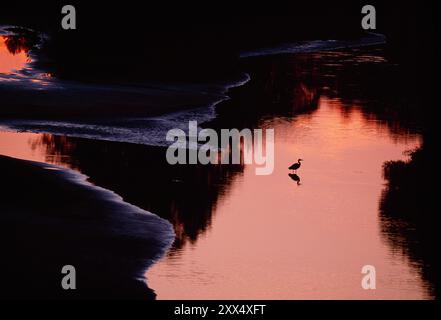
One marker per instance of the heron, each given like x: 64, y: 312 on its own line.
x: 295, y: 177
x: 297, y: 165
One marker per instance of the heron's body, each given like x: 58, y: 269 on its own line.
x: 295, y: 166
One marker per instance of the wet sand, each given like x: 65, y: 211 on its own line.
x: 51, y: 217
x: 46, y: 99
x: 29, y: 91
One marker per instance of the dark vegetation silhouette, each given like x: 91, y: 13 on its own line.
x: 22, y: 40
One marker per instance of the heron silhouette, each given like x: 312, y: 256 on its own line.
x: 295, y: 166
x: 294, y: 177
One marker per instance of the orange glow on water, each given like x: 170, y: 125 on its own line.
x: 273, y: 239
x: 33, y: 147
x: 11, y: 62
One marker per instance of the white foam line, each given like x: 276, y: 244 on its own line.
x: 81, y: 179
x: 317, y: 46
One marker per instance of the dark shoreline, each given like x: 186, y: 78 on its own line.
x: 53, y: 219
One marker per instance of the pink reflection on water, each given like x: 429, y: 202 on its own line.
x: 37, y: 147
x: 273, y: 239
x: 11, y: 62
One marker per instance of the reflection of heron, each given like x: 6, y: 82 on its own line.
x: 295, y: 177
x: 295, y: 166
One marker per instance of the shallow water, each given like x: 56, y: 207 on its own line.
x: 273, y: 239
x: 17, y: 58
x: 10, y: 63
x: 26, y: 145
x: 269, y: 237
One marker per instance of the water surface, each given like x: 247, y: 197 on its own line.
x: 242, y: 236
x: 271, y: 238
